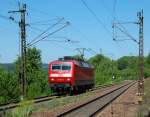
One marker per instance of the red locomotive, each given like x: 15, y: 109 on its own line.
x: 69, y: 75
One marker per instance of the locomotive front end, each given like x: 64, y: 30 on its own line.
x: 60, y: 76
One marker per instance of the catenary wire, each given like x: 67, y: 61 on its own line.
x: 96, y: 17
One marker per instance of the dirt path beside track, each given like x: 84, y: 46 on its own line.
x: 125, y: 106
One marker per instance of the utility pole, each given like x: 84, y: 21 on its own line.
x: 22, y: 25
x: 141, y: 48
x: 141, y: 55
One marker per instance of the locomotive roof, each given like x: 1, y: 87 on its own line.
x: 79, y: 63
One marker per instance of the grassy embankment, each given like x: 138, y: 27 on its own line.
x: 27, y: 108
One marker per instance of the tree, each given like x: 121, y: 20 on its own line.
x: 34, y: 61
x: 148, y: 59
x: 147, y: 66
x: 9, y: 87
x: 96, y: 60
x: 103, y: 67
x: 124, y: 68
x: 128, y: 67
x: 123, y: 63
x: 35, y: 76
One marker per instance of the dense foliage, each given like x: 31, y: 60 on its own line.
x: 36, y: 79
x: 126, y: 67
x: 147, y: 66
x: 103, y: 68
x: 9, y: 87
x: 106, y: 71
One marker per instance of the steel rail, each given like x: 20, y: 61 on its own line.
x: 92, y: 107
x: 100, y: 109
x: 5, y: 107
x: 42, y: 97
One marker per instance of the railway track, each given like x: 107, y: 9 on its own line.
x: 94, y: 106
x: 6, y: 107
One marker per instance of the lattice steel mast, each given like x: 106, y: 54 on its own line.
x: 22, y: 25
x: 141, y: 54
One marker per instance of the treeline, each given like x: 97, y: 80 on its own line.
x: 11, y: 66
x: 125, y: 68
x: 10, y: 88
x: 106, y: 70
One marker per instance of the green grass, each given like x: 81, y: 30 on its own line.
x: 25, y: 109
x: 59, y: 102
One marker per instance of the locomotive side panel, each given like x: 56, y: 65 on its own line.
x: 83, y: 76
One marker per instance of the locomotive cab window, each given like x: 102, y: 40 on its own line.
x: 61, y: 67
x: 66, y: 67
x: 56, y: 67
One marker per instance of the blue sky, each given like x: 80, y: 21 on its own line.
x: 83, y: 28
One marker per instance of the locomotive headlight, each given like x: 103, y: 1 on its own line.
x: 52, y: 79
x: 68, y: 79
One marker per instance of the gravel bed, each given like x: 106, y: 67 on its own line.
x: 124, y: 106
x: 54, y: 107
